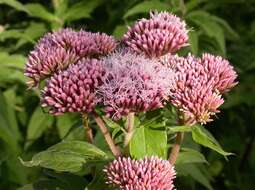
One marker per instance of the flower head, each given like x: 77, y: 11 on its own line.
x: 220, y: 70
x: 194, y: 93
x: 81, y: 42
x: 73, y: 90
x: 43, y: 62
x: 149, y: 173
x: 57, y: 50
x: 133, y: 83
x: 161, y: 34
x: 104, y: 44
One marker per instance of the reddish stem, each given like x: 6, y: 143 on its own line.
x: 176, y: 148
x: 115, y: 149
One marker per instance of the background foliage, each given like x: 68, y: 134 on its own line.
x: 225, y: 27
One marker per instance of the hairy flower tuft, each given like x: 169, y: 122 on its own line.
x: 73, y: 90
x: 162, y: 33
x: 149, y: 173
x: 56, y: 51
x: 133, y: 83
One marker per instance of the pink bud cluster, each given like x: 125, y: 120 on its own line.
x: 133, y: 83
x: 57, y: 50
x: 84, y: 70
x: 200, y: 84
x: 221, y: 72
x: 162, y: 33
x: 73, y: 90
x: 150, y: 173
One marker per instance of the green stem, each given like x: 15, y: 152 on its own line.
x: 87, y: 129
x: 129, y: 128
x: 129, y: 132
x: 55, y: 4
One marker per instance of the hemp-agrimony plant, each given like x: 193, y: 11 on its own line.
x: 97, y: 76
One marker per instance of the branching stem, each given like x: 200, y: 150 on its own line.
x: 115, y: 149
x: 129, y: 128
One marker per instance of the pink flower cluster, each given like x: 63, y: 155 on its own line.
x: 133, y: 83
x: 87, y: 69
x: 162, y: 33
x: 149, y: 173
x: 220, y: 71
x: 73, y: 90
x: 134, y: 78
x: 200, y: 84
x: 57, y: 50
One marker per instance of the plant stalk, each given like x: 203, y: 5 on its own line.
x: 88, y: 130
x: 176, y: 148
x: 55, y: 4
x: 115, y: 149
x: 129, y: 128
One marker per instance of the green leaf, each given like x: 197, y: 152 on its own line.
x: 210, y: 27
x: 39, y: 11
x: 229, y: 31
x: 154, y: 119
x: 6, y: 131
x: 148, y: 142
x: 110, y: 123
x: 203, y: 137
x: 14, y: 61
x: 192, y: 4
x: 64, y: 124
x: 146, y: 6
x: 98, y: 181
x: 8, y: 75
x: 119, y: 31
x: 38, y: 123
x: 81, y: 10
x: 115, y: 126
x: 76, y: 133
x: 69, y: 156
x: 180, y: 129
x: 193, y: 40
x: 33, y: 9
x: 70, y: 181
x: 15, y: 34
x: 45, y: 184
x: 190, y: 156
x: 194, y: 171
x: 10, y: 97
x: 34, y: 31
x: 61, y: 7
x: 16, y: 172
x: 15, y: 4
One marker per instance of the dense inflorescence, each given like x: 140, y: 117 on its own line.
x: 73, y: 90
x: 140, y: 74
x: 221, y: 72
x: 162, y: 33
x: 56, y: 51
x: 133, y: 83
x: 200, y: 82
x: 149, y: 173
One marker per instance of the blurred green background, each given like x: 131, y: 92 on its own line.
x: 224, y: 27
